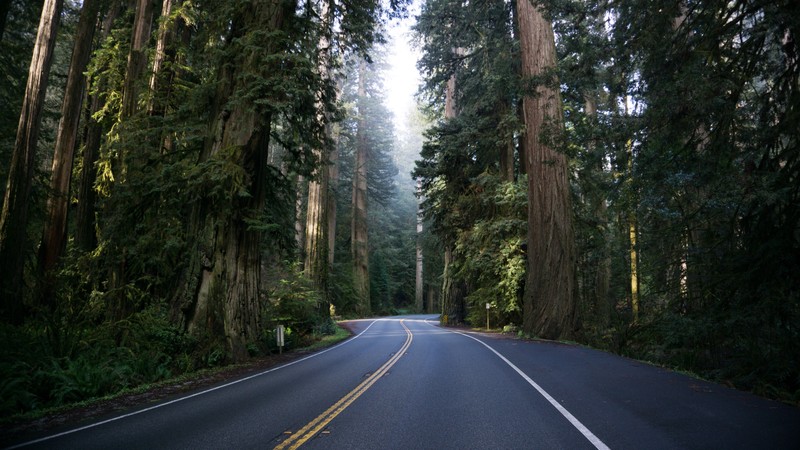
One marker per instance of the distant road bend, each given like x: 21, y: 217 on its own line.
x: 404, y: 382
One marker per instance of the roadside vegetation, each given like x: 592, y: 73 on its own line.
x: 179, y: 180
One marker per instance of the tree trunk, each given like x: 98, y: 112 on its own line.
x: 316, y: 245
x: 506, y: 157
x: 333, y: 182
x: 299, y: 223
x: 137, y: 57
x: 227, y: 288
x: 453, y: 293
x: 156, y: 105
x: 85, y: 235
x: 549, y: 303
x: 317, y: 233
x: 14, y: 216
x: 419, y: 299
x: 359, y: 237
x: 599, y: 294
x: 55, y: 228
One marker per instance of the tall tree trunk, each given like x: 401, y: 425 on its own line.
x: 359, y: 237
x: 599, y: 295
x: 299, y: 223
x: 333, y: 182
x: 137, y: 57
x: 227, y: 289
x: 453, y: 293
x: 55, y: 227
x: 634, y: 260
x: 419, y: 293
x: 317, y: 236
x: 164, y: 53
x: 506, y: 152
x: 632, y: 235
x: 523, y: 142
x: 119, y: 306
x: 316, y: 230
x: 549, y: 305
x: 14, y: 215
x: 85, y: 235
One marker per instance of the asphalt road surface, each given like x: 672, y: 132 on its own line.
x: 406, y: 383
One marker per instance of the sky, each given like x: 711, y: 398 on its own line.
x: 402, y: 80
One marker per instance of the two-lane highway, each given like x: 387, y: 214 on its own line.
x: 408, y: 383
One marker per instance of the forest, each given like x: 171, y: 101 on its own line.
x: 179, y: 177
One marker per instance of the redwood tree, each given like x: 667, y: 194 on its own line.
x: 359, y: 236
x: 14, y: 216
x: 549, y: 305
x: 55, y: 229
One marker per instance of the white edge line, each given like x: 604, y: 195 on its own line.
x: 196, y: 394
x: 572, y: 419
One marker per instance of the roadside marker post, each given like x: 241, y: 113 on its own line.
x: 488, y: 306
x: 279, y: 338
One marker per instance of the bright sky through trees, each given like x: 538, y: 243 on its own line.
x: 402, y: 78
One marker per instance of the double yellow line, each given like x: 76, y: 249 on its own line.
x: 315, y: 426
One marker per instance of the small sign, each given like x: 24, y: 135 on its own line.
x: 279, y: 335
x: 488, y: 306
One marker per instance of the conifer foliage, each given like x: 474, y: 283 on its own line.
x: 659, y: 144
x: 167, y: 231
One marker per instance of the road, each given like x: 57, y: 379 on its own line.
x: 406, y: 383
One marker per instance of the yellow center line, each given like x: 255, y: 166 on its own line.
x: 315, y: 426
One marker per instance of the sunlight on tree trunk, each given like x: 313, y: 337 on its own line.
x: 634, y: 254
x: 317, y: 226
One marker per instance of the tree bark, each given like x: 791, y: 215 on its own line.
x: 549, y: 305
x: 419, y: 294
x: 227, y: 289
x: 14, y: 215
x: 333, y: 181
x: 317, y: 232
x: 166, y: 31
x: 453, y: 293
x: 55, y: 228
x: 506, y: 152
x: 599, y: 288
x: 137, y: 57
x: 85, y: 235
x: 299, y: 223
x: 359, y: 237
